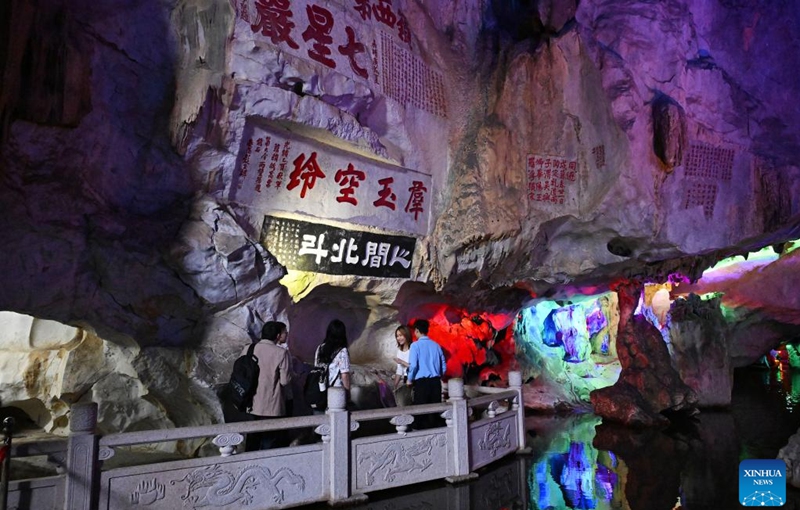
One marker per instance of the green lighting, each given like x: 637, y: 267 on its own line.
x: 727, y: 312
x: 761, y: 257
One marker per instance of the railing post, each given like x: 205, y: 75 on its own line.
x: 5, y: 461
x: 458, y: 421
x: 515, y: 383
x: 82, y: 463
x: 339, y: 450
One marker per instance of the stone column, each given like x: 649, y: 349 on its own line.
x: 458, y: 427
x: 339, y: 446
x: 82, y: 465
x: 515, y: 383
x: 339, y: 462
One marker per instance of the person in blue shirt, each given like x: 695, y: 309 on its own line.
x: 426, y: 368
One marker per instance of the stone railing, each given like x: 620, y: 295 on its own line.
x: 342, y: 467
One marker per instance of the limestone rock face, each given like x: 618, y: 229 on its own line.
x: 648, y: 384
x: 47, y: 367
x: 790, y: 454
x: 699, y: 342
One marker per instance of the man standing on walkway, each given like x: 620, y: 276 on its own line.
x: 425, y: 371
x: 274, y: 376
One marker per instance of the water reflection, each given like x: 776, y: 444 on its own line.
x: 581, y: 463
x: 567, y: 471
x: 578, y: 462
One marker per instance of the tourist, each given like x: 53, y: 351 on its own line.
x: 333, y: 353
x: 273, y: 378
x: 426, y: 368
x: 402, y: 395
x: 402, y: 336
x: 288, y: 391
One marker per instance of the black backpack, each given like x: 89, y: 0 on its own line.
x: 315, y: 390
x: 244, y: 380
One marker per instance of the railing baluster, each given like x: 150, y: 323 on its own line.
x: 518, y: 405
x: 459, y: 425
x: 82, y: 462
x: 227, y: 443
x: 339, y: 450
x: 401, y: 423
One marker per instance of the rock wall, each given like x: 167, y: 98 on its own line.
x: 700, y: 353
x: 124, y: 126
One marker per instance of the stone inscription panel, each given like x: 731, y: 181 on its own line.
x: 705, y: 166
x: 381, y: 463
x: 707, y: 162
x: 324, y: 249
x: 280, y: 171
x: 367, y: 40
x: 274, y: 482
x: 700, y: 193
x: 491, y: 439
x: 547, y: 177
x: 406, y: 79
x: 599, y: 153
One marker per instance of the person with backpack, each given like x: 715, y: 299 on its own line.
x: 274, y: 376
x: 332, y: 357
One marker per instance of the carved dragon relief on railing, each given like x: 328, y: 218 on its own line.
x: 217, y: 487
x: 397, y: 458
x: 496, y: 436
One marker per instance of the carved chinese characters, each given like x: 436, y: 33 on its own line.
x: 323, y: 249
x: 277, y: 172
x: 368, y: 40
x: 547, y: 176
x: 704, y: 167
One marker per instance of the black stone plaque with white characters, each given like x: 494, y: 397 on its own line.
x: 318, y: 248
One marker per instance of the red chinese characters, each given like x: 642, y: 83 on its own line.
x: 274, y: 21
x: 364, y: 8
x: 351, y: 49
x: 282, y: 168
x: 305, y: 170
x: 349, y: 180
x: 320, y: 25
x: 382, y: 10
x: 386, y: 197
x: 416, y: 199
x: 546, y: 176
x: 403, y: 30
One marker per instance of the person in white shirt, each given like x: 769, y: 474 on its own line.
x: 402, y: 336
x: 333, y: 352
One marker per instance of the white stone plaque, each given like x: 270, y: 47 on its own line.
x: 280, y: 171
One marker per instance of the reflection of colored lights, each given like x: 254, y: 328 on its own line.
x: 780, y: 378
x: 572, y: 474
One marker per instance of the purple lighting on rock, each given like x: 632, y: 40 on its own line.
x: 595, y: 318
x: 577, y: 478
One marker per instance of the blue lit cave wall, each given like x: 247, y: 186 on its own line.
x: 567, y: 348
